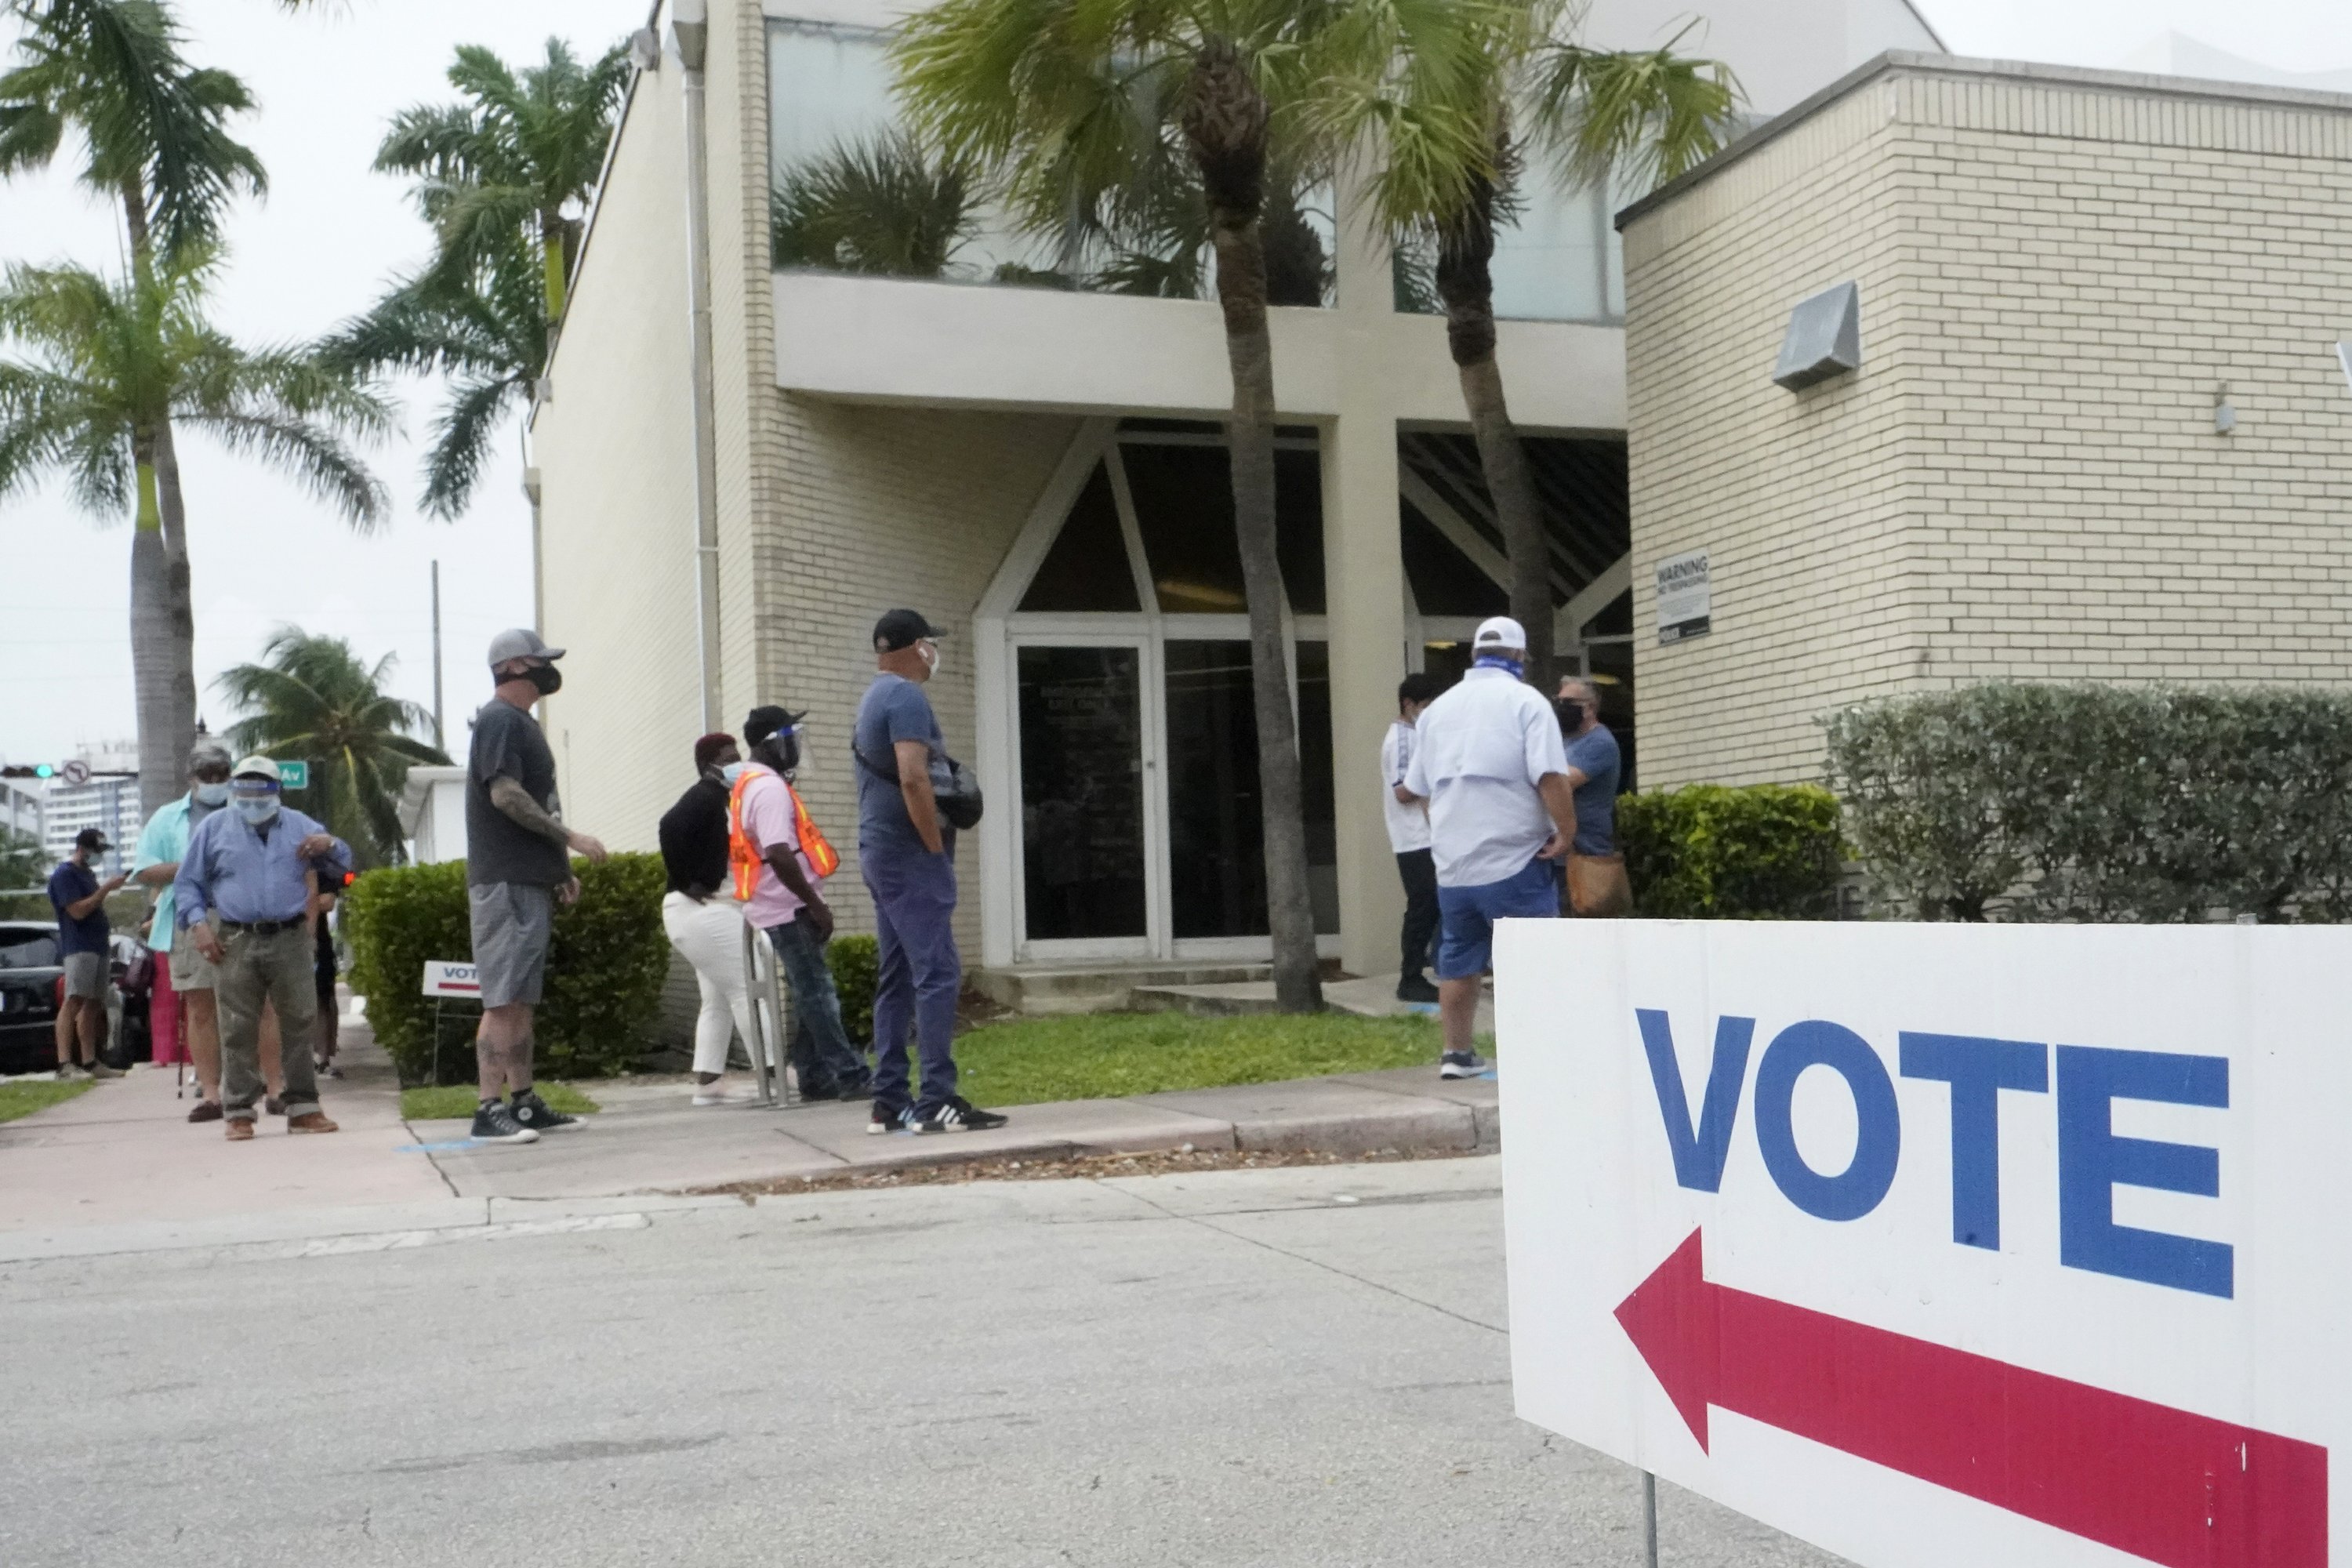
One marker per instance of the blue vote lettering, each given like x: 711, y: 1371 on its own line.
x: 1699, y: 1152
x: 1977, y: 1069
x: 1878, y: 1125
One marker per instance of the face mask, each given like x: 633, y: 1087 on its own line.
x: 930, y: 656
x: 732, y: 772
x: 1571, y: 715
x: 546, y: 678
x: 212, y: 794
x: 256, y: 808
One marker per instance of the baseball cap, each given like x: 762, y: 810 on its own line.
x: 91, y: 838
x: 519, y: 642
x: 762, y: 722
x: 1502, y: 633
x: 902, y: 628
x: 256, y: 765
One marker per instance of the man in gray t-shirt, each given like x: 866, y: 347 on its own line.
x: 906, y: 853
x: 518, y: 866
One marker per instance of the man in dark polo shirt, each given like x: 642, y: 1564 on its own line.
x: 518, y: 866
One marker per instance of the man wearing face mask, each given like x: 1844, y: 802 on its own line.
x: 185, y: 975
x: 1597, y: 887
x: 517, y: 865
x: 242, y: 896
x: 779, y: 861
x: 908, y: 856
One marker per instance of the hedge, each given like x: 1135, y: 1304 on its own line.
x: 853, y: 961
x: 1725, y: 852
x: 605, y: 966
x: 2100, y: 803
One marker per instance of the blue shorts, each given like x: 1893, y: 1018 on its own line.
x: 1465, y: 945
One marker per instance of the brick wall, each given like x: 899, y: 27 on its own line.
x: 2059, y: 271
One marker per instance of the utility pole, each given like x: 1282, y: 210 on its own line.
x: 439, y: 743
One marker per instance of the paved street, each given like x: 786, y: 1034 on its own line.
x: 1228, y: 1367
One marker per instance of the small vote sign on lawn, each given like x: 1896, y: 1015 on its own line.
x: 1941, y: 1245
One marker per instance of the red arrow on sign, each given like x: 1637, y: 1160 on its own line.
x: 2172, y: 1487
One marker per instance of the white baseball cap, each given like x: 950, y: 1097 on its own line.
x: 1500, y: 631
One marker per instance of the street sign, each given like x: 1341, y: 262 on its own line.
x: 444, y: 978
x: 1940, y: 1245
x: 293, y: 775
x: 76, y: 771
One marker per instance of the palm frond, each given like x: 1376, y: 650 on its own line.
x: 1642, y: 116
x: 877, y: 205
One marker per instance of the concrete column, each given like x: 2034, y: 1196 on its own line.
x: 1365, y: 573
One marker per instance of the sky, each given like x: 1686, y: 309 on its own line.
x: 321, y: 249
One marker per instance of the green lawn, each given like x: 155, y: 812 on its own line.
x: 23, y: 1099
x: 1101, y: 1055
x: 456, y: 1099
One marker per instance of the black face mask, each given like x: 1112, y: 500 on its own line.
x: 1571, y: 715
x: 546, y: 678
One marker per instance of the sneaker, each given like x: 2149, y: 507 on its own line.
x: 99, y: 1069
x: 1461, y: 1064
x: 205, y: 1110
x: 1416, y: 988
x: 718, y: 1094
x: 69, y: 1073
x: 888, y: 1118
x: 310, y: 1121
x: 535, y: 1113
x: 494, y: 1123
x: 958, y: 1115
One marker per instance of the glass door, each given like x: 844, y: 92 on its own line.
x: 1089, y: 878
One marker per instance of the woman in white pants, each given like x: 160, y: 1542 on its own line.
x: 704, y: 920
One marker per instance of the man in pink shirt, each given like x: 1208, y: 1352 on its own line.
x: 788, y: 903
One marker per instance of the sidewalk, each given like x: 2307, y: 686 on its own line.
x: 124, y: 1154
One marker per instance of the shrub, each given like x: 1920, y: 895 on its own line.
x: 2100, y: 803
x: 606, y: 962
x: 1720, y: 852
x: 853, y: 961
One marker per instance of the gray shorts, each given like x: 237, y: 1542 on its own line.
x: 190, y: 970
x: 512, y: 921
x: 86, y: 975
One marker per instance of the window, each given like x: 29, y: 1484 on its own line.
x: 27, y: 947
x: 1184, y: 507
x: 1087, y: 569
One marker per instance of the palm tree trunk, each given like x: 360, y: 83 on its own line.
x: 550, y: 246
x: 163, y: 619
x: 179, y: 623
x: 1225, y: 124
x: 159, y: 767
x: 1465, y: 283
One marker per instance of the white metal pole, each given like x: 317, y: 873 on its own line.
x: 439, y: 743
x: 691, y: 34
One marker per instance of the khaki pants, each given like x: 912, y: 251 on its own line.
x: 280, y: 967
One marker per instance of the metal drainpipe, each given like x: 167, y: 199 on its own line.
x: 690, y: 36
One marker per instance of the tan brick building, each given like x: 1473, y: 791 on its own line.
x: 2064, y: 278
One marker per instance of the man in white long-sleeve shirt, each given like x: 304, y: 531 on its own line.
x: 1408, y: 825
x: 1490, y: 765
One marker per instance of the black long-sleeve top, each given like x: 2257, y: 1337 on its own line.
x: 694, y: 838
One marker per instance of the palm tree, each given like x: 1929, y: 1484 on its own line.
x: 521, y: 156
x: 111, y: 364
x: 876, y: 206
x: 485, y: 327
x: 1065, y: 96
x: 312, y: 700
x: 155, y: 132
x: 1598, y: 116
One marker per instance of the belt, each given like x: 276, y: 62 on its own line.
x: 263, y: 928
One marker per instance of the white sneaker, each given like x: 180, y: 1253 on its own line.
x: 717, y: 1094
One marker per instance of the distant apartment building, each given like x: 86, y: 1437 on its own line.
x: 108, y: 802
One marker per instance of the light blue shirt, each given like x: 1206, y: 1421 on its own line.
x: 235, y: 872
x: 164, y: 842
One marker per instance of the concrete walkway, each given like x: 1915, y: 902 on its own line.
x: 124, y: 1154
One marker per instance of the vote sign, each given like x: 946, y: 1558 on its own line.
x: 447, y: 977
x: 1941, y: 1245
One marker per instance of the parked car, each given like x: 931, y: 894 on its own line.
x: 33, y: 986
x: 32, y: 982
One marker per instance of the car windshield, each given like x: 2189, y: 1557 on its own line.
x: 27, y: 947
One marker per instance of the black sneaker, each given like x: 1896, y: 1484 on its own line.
x: 535, y: 1113
x: 958, y: 1115
x: 887, y: 1119
x: 494, y: 1123
x: 1461, y: 1064
x: 1416, y: 988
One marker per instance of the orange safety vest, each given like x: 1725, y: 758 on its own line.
x: 818, y: 855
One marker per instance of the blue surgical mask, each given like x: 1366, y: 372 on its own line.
x: 212, y: 794
x: 732, y: 772
x: 256, y: 808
